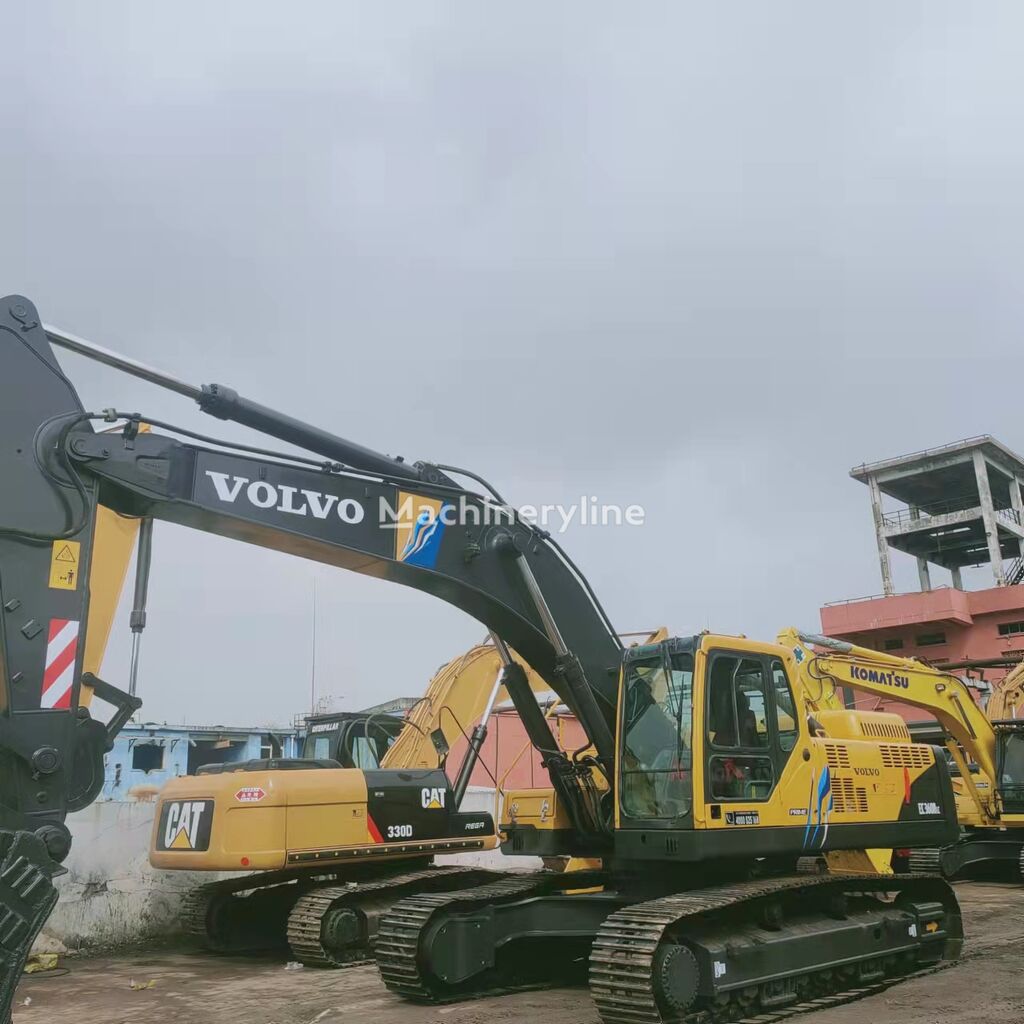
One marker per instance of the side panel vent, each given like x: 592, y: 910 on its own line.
x: 849, y: 798
x: 838, y: 755
x: 885, y: 730
x: 909, y: 755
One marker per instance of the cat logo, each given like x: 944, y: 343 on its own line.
x: 185, y: 825
x: 432, y: 799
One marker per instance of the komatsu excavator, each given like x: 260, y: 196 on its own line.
x: 333, y: 836
x: 704, y: 788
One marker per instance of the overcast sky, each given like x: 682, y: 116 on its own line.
x: 699, y: 257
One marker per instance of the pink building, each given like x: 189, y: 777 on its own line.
x: 508, y: 760
x: 950, y: 507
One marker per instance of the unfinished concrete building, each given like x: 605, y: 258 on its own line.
x: 959, y: 504
x: 948, y: 508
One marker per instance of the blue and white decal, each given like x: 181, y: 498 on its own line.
x: 819, y: 810
x: 424, y: 541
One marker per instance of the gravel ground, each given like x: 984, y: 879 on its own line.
x: 986, y: 985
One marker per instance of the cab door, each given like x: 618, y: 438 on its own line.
x: 751, y: 729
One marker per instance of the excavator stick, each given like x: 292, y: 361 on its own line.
x: 57, y: 547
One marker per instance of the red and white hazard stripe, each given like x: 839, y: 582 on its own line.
x: 61, y: 652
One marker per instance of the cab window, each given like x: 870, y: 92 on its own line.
x: 737, y: 703
x: 364, y: 754
x: 318, y: 747
x: 1011, y: 770
x: 785, y: 707
x: 740, y: 766
x: 657, y: 757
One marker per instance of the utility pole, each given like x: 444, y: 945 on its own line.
x: 312, y: 672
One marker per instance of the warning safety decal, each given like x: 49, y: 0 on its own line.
x: 64, y: 564
x: 59, y: 674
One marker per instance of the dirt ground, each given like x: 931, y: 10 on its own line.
x: 986, y: 985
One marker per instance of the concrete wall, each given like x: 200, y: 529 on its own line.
x: 110, y: 895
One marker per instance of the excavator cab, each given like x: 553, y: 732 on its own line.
x: 708, y: 730
x: 353, y: 739
x: 717, y: 757
x: 1010, y: 740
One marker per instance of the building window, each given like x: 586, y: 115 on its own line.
x: 1011, y: 628
x: 893, y: 643
x: 931, y: 639
x: 147, y: 757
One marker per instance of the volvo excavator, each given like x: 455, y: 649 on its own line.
x: 705, y: 789
x: 335, y: 835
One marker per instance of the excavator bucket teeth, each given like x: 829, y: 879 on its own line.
x: 27, y: 896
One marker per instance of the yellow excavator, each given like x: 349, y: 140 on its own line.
x: 341, y: 819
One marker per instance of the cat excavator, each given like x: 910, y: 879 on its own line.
x: 704, y: 789
x: 330, y: 834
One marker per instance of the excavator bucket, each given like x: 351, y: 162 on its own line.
x: 27, y: 898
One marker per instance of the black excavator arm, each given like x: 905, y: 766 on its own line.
x: 349, y: 506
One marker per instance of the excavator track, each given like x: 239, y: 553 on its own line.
x: 196, y: 906
x: 629, y: 953
x: 400, y: 931
x: 334, y: 925
x: 825, y: 1002
x: 225, y: 922
x: 622, y: 962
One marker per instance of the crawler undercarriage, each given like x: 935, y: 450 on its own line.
x: 722, y: 953
x: 325, y: 919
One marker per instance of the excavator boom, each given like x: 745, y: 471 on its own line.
x: 373, y: 515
